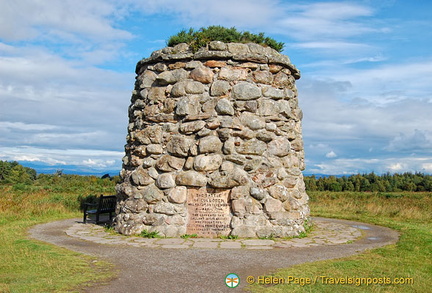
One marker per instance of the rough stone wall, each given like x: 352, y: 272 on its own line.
x: 222, y: 122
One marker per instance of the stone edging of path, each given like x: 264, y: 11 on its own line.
x: 323, y: 233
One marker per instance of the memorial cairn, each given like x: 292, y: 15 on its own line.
x: 214, y: 145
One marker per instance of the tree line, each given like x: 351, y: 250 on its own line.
x: 13, y: 172
x: 371, y: 182
x: 16, y: 174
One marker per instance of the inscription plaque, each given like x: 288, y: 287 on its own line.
x: 208, y: 212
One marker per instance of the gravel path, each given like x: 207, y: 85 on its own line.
x: 182, y: 266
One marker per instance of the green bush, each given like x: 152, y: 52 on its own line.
x: 147, y: 234
x: 201, y: 37
x: 13, y: 172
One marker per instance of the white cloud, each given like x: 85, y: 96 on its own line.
x: 366, y: 165
x: 27, y: 66
x: 98, y: 163
x: 376, y: 58
x: 342, y: 166
x: 361, y: 130
x: 390, y: 82
x: 335, y: 11
x: 197, y: 13
x: 37, y: 158
x: 332, y: 46
x: 331, y: 155
x: 50, y: 156
x: 348, y: 109
x: 318, y: 146
x: 57, y: 107
x: 80, y: 30
x: 419, y: 141
x: 13, y: 126
x: 357, y: 107
x: 48, y: 101
x: 322, y: 26
x: 331, y: 20
x: 67, y: 19
x: 426, y: 167
x: 397, y: 167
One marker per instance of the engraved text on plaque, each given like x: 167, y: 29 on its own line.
x: 208, y: 212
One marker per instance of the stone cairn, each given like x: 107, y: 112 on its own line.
x: 214, y: 145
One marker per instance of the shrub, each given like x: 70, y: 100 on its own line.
x: 147, y: 234
x: 13, y: 173
x: 201, y: 37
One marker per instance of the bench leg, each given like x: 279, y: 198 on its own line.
x: 85, y: 218
x: 97, y: 218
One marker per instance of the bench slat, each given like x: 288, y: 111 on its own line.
x: 105, y: 205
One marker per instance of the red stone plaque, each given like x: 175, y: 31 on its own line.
x: 208, y: 212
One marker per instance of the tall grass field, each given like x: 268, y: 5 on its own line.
x: 409, y: 261
x: 28, y: 265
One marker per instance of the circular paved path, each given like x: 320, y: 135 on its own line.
x: 200, y: 265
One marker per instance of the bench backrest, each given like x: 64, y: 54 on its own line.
x: 107, y: 203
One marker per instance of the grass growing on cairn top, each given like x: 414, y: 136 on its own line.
x: 200, y: 38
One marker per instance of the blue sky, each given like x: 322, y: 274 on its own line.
x: 67, y: 72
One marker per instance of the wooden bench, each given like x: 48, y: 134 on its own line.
x: 105, y: 205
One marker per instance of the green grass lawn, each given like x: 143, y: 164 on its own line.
x: 408, y: 213
x: 28, y: 265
